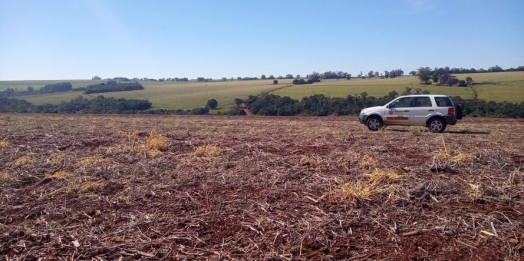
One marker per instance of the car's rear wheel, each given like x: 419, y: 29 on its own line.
x: 436, y: 125
x: 374, y: 123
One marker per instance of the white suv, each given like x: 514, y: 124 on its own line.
x: 433, y: 111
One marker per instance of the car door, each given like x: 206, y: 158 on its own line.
x: 421, y: 107
x: 397, y: 112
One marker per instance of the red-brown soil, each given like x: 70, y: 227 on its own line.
x: 129, y: 187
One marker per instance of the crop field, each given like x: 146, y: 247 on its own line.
x: 176, y: 95
x: 503, y: 86
x: 37, y: 84
x: 113, y: 187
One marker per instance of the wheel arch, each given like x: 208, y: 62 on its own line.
x: 435, y: 117
x: 376, y: 115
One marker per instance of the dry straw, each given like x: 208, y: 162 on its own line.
x: 376, y: 185
x: 4, y: 144
x: 92, y: 162
x: 22, y: 161
x: 207, y: 151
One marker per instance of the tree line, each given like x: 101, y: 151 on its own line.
x: 266, y: 104
x: 99, y: 105
x: 441, y: 76
x: 329, y: 75
x: 48, y: 88
x: 321, y: 105
x: 113, y: 86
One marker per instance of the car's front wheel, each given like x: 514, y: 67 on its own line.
x: 374, y: 123
x: 436, y: 125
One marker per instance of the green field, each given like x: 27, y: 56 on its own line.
x: 176, y: 95
x: 503, y: 86
x: 507, y: 86
x: 37, y: 84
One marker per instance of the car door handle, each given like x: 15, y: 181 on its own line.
x: 406, y: 111
x: 431, y: 110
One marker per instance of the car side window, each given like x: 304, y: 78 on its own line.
x: 402, y: 102
x: 421, y: 102
x: 443, y: 101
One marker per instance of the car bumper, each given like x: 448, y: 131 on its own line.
x: 450, y: 120
x: 362, y: 118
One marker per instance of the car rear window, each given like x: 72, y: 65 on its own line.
x: 443, y: 101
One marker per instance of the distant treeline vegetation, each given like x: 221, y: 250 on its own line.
x: 326, y: 75
x: 49, y: 88
x: 320, y: 105
x: 266, y: 104
x: 99, y: 105
x: 495, y: 68
x: 109, y: 86
x: 113, y: 86
x: 441, y: 76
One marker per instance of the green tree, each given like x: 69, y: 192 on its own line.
x: 424, y: 74
x: 263, y: 77
x: 212, y: 104
x: 314, y: 77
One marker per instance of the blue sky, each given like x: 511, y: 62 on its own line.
x: 78, y: 39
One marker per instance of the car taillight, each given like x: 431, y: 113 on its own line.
x: 451, y: 111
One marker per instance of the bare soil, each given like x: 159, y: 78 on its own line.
x: 128, y: 187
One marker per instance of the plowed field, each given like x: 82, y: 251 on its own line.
x: 128, y: 187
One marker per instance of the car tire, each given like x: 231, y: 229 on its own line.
x: 374, y: 123
x: 436, y: 125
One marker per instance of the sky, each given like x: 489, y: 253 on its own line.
x: 78, y: 39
